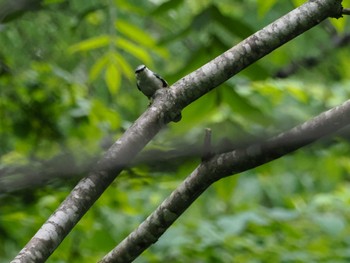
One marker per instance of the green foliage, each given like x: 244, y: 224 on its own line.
x: 67, y: 89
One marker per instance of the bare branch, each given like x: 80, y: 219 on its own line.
x: 221, y: 166
x: 346, y: 11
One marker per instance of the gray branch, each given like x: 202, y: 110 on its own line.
x: 221, y: 166
x: 166, y: 106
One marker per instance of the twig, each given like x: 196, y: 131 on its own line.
x: 346, y: 11
x: 207, y: 149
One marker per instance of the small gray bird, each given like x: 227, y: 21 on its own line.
x: 149, y: 82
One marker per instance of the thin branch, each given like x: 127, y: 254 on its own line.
x: 346, y: 11
x: 166, y: 106
x: 253, y: 48
x: 207, y: 148
x: 221, y: 166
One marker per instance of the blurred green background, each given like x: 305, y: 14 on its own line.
x: 67, y: 92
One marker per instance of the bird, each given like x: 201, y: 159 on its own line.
x: 149, y: 82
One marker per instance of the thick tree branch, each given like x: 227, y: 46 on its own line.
x: 221, y: 166
x: 166, y: 107
x: 253, y: 48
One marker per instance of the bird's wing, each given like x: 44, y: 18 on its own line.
x: 138, y: 86
x: 164, y: 83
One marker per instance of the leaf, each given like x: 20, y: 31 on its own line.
x: 103, y: 116
x: 130, y: 7
x: 114, y: 58
x: 264, y: 6
x: 97, y: 67
x: 134, y: 50
x: 90, y: 44
x: 134, y: 33
x: 297, y: 92
x: 47, y: 2
x: 123, y: 64
x: 339, y: 24
x: 166, y: 6
x: 113, y: 78
x: 298, y: 2
x: 140, y: 37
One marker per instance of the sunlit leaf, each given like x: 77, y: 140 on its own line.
x: 298, y: 2
x: 339, y: 24
x: 47, y: 2
x: 14, y: 157
x: 98, y: 67
x: 113, y: 78
x: 123, y: 64
x: 90, y: 44
x: 134, y: 33
x: 139, y: 36
x: 298, y: 93
x: 103, y: 116
x: 134, y: 50
x: 95, y: 17
x: 129, y: 7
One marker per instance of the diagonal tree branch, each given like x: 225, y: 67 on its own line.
x: 221, y: 166
x: 253, y: 48
x: 166, y: 106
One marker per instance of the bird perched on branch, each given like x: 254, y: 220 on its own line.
x: 149, y: 82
